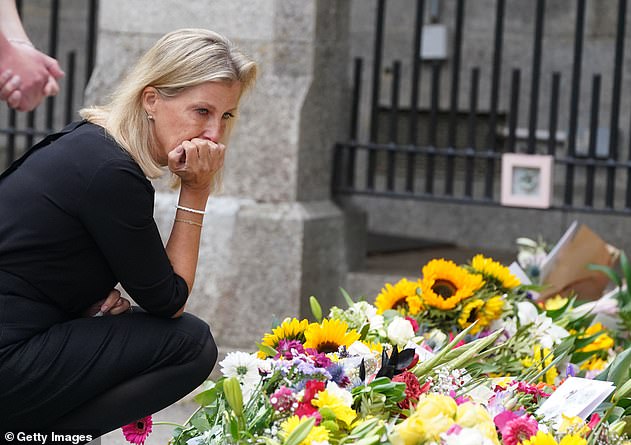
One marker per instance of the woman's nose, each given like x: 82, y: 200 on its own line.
x: 214, y: 130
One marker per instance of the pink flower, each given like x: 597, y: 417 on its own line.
x: 593, y: 421
x: 414, y: 323
x: 283, y: 400
x: 503, y: 418
x: 138, y: 431
x: 531, y: 389
x: 519, y: 429
x: 454, y: 429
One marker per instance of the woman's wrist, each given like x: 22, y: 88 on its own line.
x: 192, y: 199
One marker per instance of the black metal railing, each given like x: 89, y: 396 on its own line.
x: 22, y: 130
x: 457, y: 158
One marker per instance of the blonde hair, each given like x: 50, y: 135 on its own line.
x: 179, y: 60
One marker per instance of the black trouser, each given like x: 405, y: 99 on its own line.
x: 95, y: 374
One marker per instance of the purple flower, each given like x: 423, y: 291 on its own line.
x: 337, y: 375
x: 287, y: 349
x: 319, y: 358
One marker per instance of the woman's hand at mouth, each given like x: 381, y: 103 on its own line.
x: 196, y: 162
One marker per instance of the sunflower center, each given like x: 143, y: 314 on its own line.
x: 328, y: 347
x: 472, y: 315
x: 400, y: 303
x: 444, y: 288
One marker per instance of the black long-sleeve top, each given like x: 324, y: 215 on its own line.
x: 76, y: 218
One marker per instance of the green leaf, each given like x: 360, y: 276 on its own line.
x: 234, y: 428
x: 582, y: 342
x: 201, y: 423
x: 347, y: 297
x: 369, y: 440
x: 316, y: 309
x: 301, y: 432
x: 555, y: 313
x: 580, y: 357
x: 613, y: 276
x: 363, y: 331
x: 622, y: 391
x: 207, y: 397
x: 364, y: 427
x: 618, y: 370
x: 267, y: 350
x: 626, y: 267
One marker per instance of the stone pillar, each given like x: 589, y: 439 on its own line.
x: 273, y: 237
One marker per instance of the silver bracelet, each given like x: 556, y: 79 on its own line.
x: 188, y: 209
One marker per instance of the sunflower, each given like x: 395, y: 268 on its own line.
x: 494, y: 272
x: 471, y: 313
x: 400, y: 296
x: 484, y: 312
x: 289, y: 329
x: 445, y: 284
x: 329, y: 335
x: 493, y: 308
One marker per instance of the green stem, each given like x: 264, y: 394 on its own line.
x: 191, y: 416
x: 170, y: 423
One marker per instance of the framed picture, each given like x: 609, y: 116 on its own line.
x: 527, y: 180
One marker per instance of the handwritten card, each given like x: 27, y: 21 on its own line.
x: 575, y: 397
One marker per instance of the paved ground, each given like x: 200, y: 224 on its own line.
x: 161, y: 434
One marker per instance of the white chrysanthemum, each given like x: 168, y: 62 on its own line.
x: 340, y: 393
x: 243, y: 366
x: 400, y: 331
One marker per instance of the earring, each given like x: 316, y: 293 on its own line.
x: 149, y: 116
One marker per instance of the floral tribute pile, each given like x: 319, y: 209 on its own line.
x: 463, y: 355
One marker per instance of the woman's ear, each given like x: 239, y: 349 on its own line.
x: 150, y: 97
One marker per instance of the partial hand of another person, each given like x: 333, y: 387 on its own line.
x: 196, y: 161
x: 114, y: 304
x: 10, y: 88
x: 37, y: 72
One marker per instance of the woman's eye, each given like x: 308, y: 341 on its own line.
x: 228, y: 116
x: 203, y: 111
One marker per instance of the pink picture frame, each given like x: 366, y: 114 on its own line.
x: 526, y: 180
